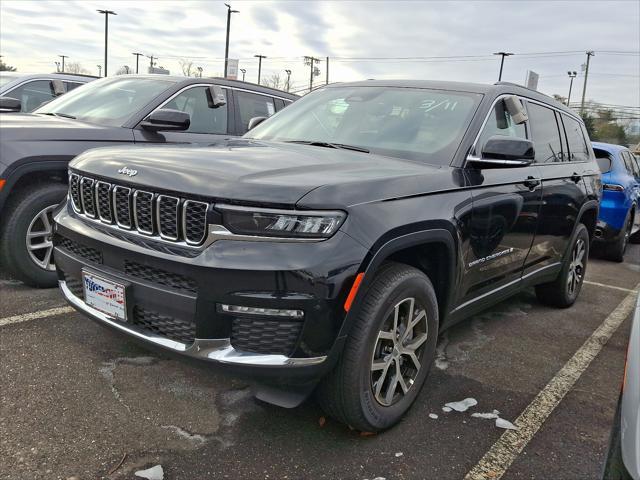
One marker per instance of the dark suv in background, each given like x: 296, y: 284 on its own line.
x: 128, y: 109
x: 330, y: 246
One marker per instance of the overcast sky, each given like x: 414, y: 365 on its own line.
x: 32, y: 34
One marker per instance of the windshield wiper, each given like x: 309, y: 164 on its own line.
x: 58, y: 114
x: 316, y: 143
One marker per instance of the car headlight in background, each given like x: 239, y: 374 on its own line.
x: 266, y: 222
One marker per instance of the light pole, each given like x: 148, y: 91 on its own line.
x: 226, y: 48
x: 259, y: 57
x: 99, y: 70
x: 502, y: 54
x: 572, y: 75
x: 63, y: 57
x: 244, y: 71
x: 288, y: 72
x: 138, y: 55
x: 106, y: 34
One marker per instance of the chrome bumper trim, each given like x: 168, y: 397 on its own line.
x: 217, y: 350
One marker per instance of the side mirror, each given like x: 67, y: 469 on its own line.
x: 504, y: 152
x: 9, y: 104
x: 215, y: 97
x: 255, y: 121
x: 58, y: 87
x: 166, y: 119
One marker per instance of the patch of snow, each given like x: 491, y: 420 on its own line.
x: 485, y: 416
x: 153, y: 473
x: 433, y: 415
x: 463, y: 405
x: 446, y: 409
x: 506, y: 424
x: 399, y: 454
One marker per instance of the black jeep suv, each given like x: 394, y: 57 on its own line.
x: 330, y: 246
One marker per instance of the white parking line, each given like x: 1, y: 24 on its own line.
x: 34, y: 315
x: 501, y: 455
x: 604, y: 285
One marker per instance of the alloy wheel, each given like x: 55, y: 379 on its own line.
x: 39, y: 239
x: 576, y: 267
x: 395, y: 363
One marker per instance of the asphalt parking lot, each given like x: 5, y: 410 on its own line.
x: 80, y: 402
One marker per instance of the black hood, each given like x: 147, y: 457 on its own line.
x: 261, y: 172
x: 40, y: 127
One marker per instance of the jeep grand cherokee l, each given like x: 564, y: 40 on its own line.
x: 330, y: 246
x: 128, y: 109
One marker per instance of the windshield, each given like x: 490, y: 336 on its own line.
x: 109, y: 101
x: 412, y: 123
x: 6, y: 78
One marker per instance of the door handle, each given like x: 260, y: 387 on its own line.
x: 576, y: 177
x: 532, y: 183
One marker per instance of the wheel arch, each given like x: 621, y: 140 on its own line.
x: 588, y: 215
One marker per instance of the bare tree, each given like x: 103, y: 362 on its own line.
x: 75, y: 67
x: 187, y: 67
x: 6, y: 68
x: 123, y: 70
x: 274, y: 81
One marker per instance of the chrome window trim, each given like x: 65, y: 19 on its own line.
x: 76, y: 208
x: 162, y: 235
x: 184, y: 222
x: 135, y: 212
x: 100, y: 217
x: 84, y: 208
x: 116, y: 188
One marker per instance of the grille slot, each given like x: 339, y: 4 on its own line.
x: 164, y: 325
x: 88, y: 253
x: 74, y: 191
x: 143, y: 211
x: 167, y: 217
x: 103, y: 202
x: 157, y: 275
x: 194, y: 221
x: 87, y: 197
x: 265, y: 336
x: 152, y: 214
x: 122, y: 204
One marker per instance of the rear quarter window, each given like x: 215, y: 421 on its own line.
x: 604, y: 160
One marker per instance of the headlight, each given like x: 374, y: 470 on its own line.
x: 265, y: 222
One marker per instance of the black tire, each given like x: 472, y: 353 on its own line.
x: 615, y: 251
x: 19, y: 214
x: 561, y: 293
x: 347, y: 393
x: 635, y: 238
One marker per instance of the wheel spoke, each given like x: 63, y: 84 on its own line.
x: 44, y: 217
x: 37, y: 234
x: 386, y: 336
x: 391, y: 390
x: 381, y: 365
x: 414, y: 358
x: 400, y: 378
x: 47, y: 258
x: 40, y: 246
x: 416, y: 343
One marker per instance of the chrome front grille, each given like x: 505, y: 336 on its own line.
x: 149, y: 213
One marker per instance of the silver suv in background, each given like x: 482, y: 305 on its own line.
x: 35, y: 89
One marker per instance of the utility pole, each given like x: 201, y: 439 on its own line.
x: 106, y: 34
x: 311, y: 61
x: 244, y: 71
x: 226, y: 48
x: 590, y: 54
x: 327, y: 71
x: 99, y: 70
x: 151, y: 62
x: 259, y: 57
x: 572, y: 75
x: 502, y: 54
x: 288, y: 72
x: 63, y: 57
x: 138, y: 55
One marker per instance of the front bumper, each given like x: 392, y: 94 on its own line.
x: 183, y: 294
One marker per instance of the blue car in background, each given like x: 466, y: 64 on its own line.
x: 619, y: 219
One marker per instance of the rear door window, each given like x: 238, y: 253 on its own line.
x: 195, y: 102
x: 578, y: 150
x: 545, y: 134
x: 251, y: 105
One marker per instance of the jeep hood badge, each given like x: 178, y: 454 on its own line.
x: 128, y: 171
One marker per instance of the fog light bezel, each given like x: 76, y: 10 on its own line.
x: 242, y: 310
